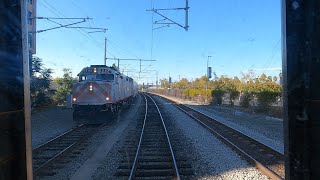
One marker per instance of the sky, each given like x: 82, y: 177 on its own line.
x: 238, y: 35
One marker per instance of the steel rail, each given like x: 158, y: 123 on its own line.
x: 252, y: 160
x: 168, y: 139
x: 239, y: 132
x: 140, y: 140
x: 267, y: 171
x: 55, y: 138
x: 47, y: 163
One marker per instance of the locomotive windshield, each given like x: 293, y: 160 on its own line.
x: 104, y: 77
x: 109, y: 77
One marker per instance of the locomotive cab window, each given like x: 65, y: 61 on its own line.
x: 109, y: 77
x: 82, y: 78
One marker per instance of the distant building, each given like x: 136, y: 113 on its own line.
x: 32, y: 14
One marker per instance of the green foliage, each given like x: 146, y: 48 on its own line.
x: 164, y: 83
x: 40, y: 83
x: 245, y: 100
x: 217, y: 95
x: 182, y: 84
x: 264, y: 89
x: 265, y: 99
x: 64, y: 86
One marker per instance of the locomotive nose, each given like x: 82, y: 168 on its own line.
x: 92, y: 93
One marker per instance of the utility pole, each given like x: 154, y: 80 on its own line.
x: 207, y: 75
x: 207, y: 78
x: 157, y: 79
x: 187, y: 16
x: 105, y: 51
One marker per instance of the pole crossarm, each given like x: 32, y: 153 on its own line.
x: 78, y: 27
x: 131, y: 59
x: 172, y: 21
x: 186, y: 26
x: 168, y: 9
x: 87, y: 18
x: 61, y: 26
x: 161, y: 27
x: 51, y: 19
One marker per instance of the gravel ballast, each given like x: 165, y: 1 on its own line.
x: 49, y: 123
x: 91, y: 145
x: 211, y: 159
x: 268, y: 131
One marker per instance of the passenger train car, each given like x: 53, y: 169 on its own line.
x: 101, y: 90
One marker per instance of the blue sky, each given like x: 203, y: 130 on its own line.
x: 239, y: 35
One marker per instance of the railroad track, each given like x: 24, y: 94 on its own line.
x: 57, y: 152
x: 153, y: 156
x: 264, y: 158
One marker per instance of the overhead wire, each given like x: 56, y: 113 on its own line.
x: 81, y: 31
x: 274, y: 51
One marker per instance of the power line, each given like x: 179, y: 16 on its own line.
x: 274, y: 51
x: 81, y: 31
x: 111, y: 42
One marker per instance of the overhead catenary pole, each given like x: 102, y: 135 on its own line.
x: 168, y: 21
x: 207, y: 78
x: 157, y: 79
x: 207, y: 74
x: 187, y: 14
x: 105, y: 51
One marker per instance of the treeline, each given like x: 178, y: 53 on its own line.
x: 45, y: 90
x: 261, y: 92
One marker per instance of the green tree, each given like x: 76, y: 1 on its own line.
x: 182, y: 84
x: 64, y: 86
x: 40, y: 83
x: 164, y: 83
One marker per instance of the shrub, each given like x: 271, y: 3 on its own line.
x: 266, y: 99
x: 233, y: 95
x: 246, y: 99
x: 217, y: 95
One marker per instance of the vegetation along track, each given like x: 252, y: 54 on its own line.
x: 54, y: 153
x: 153, y: 156
x: 264, y: 158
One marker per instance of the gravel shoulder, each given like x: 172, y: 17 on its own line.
x: 267, y: 130
x: 210, y: 158
x: 49, y: 123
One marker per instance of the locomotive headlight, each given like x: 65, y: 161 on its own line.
x: 107, y: 98
x: 74, y: 99
x: 90, y: 88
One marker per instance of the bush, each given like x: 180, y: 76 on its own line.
x: 217, y: 95
x: 245, y: 100
x: 266, y: 99
x: 41, y: 99
x: 233, y: 94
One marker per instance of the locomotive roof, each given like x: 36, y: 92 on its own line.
x: 89, y: 70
